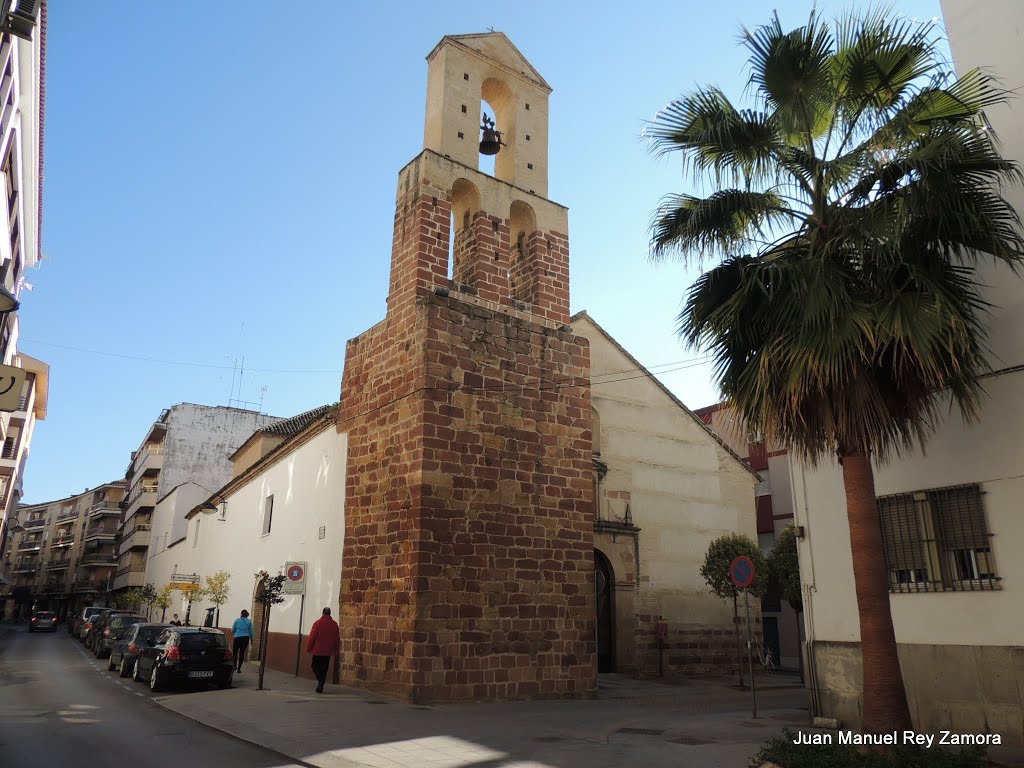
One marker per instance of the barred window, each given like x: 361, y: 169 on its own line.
x: 937, y: 541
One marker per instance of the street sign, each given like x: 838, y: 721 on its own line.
x: 12, y: 381
x: 295, y: 579
x: 742, y: 571
x: 181, y: 580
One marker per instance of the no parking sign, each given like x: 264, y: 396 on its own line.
x: 295, y: 579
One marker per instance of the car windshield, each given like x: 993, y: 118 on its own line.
x: 120, y: 622
x: 148, y: 633
x: 198, y: 641
x: 90, y: 612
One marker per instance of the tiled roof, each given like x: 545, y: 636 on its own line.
x: 294, y: 425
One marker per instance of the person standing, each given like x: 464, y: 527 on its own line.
x: 324, y: 641
x: 241, y: 630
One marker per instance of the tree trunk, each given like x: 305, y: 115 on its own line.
x: 885, y: 698
x: 264, y: 633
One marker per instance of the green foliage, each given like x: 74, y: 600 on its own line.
x: 193, y: 592
x: 129, y: 599
x: 149, y: 594
x: 270, y: 589
x: 782, y: 752
x: 850, y: 203
x: 784, y: 569
x: 719, y: 557
x: 217, y: 589
x: 164, y: 597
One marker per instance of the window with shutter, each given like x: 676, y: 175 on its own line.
x: 937, y: 540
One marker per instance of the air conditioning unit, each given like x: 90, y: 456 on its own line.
x: 21, y: 18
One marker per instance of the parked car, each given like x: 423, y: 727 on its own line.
x: 99, y: 621
x: 77, y: 625
x: 126, y: 647
x: 43, y: 621
x: 185, y: 654
x: 115, y: 626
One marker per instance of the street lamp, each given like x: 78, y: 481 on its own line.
x: 209, y: 506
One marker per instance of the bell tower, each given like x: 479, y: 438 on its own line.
x: 468, y: 561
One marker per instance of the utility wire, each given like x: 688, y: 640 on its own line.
x: 671, y: 366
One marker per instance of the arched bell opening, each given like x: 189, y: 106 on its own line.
x: 465, y: 205
x: 522, y: 259
x: 498, y: 97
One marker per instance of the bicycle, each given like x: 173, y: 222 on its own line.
x: 764, y: 655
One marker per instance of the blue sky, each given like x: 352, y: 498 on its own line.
x: 221, y: 185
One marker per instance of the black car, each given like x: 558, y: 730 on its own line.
x: 43, y: 621
x: 115, y: 626
x: 128, y: 645
x: 185, y: 654
x: 95, y: 631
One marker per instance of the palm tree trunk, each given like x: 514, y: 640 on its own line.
x: 885, y: 698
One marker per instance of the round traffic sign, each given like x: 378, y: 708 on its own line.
x: 742, y: 571
x: 295, y: 573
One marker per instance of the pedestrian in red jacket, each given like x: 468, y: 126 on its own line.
x: 324, y: 641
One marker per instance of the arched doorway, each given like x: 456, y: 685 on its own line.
x: 604, y: 584
x: 256, y: 615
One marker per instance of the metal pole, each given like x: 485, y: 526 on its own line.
x: 750, y: 660
x: 298, y: 649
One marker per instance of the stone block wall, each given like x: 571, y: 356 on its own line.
x: 468, y: 569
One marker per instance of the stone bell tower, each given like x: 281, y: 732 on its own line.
x: 468, y: 561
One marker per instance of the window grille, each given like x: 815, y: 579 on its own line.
x: 937, y: 541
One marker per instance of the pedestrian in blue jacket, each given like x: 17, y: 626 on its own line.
x: 241, y: 630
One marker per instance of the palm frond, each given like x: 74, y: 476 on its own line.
x: 694, y: 226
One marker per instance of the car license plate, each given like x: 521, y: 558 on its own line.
x: 200, y: 674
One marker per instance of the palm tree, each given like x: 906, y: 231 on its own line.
x: 850, y: 206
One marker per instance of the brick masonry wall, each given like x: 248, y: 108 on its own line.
x: 468, y: 570
x: 692, y: 649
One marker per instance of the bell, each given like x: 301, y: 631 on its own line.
x: 490, y: 142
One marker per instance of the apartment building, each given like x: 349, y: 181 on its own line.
x: 188, y: 444
x: 22, y: 57
x: 62, y: 554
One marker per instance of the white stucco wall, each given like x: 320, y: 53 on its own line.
x: 988, y: 35
x: 308, y: 485
x: 685, y: 488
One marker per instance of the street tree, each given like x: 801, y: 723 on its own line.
x: 191, y: 592
x: 716, y: 572
x: 850, y: 205
x: 784, y: 569
x: 163, y: 600
x: 148, y: 597
x: 218, y: 591
x: 268, y: 593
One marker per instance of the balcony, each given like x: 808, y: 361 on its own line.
x: 20, y: 416
x: 104, y: 508
x: 58, y: 564
x: 30, y: 546
x: 100, y: 533
x: 37, y: 523
x: 87, y: 586
x: 99, y: 558
x: 133, y: 575
x: 149, y: 460
x: 28, y: 566
x: 71, y: 514
x: 141, y: 497
x: 137, y: 536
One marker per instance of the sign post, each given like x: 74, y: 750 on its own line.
x: 742, y: 572
x: 295, y: 584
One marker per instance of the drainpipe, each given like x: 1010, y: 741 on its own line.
x: 801, y: 518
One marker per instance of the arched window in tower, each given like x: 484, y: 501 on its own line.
x: 465, y: 204
x: 522, y: 226
x: 498, y: 103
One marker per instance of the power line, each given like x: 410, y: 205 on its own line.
x: 671, y: 367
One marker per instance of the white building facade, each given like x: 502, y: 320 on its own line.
x: 951, y: 522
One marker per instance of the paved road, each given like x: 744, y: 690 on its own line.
x: 60, y: 706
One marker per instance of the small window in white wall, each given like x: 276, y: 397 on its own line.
x: 268, y: 513
x: 195, y: 534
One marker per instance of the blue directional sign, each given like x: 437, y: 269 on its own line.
x: 742, y: 571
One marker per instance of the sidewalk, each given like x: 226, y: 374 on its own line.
x: 699, y: 724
